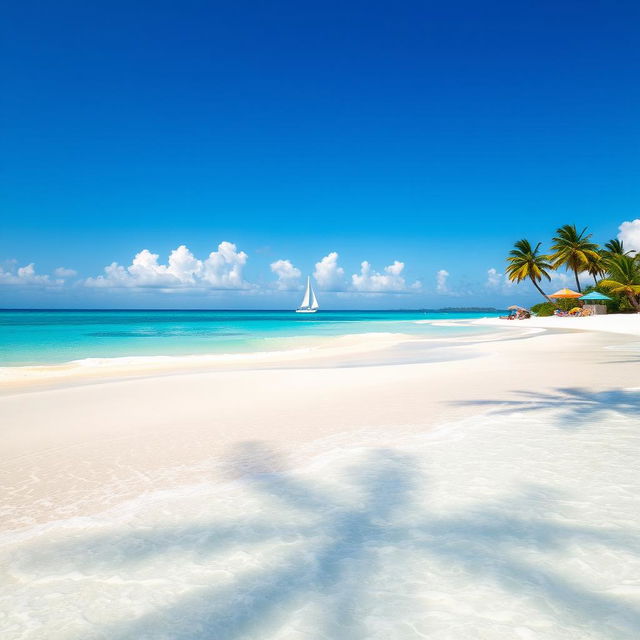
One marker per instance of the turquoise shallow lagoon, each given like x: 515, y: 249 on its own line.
x: 47, y: 337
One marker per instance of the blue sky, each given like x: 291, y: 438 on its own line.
x: 429, y: 134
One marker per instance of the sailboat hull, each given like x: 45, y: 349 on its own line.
x: 306, y: 310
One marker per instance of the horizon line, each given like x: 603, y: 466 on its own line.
x: 479, y: 309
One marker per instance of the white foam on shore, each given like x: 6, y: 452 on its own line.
x: 521, y: 523
x: 313, y: 350
x: 123, y: 365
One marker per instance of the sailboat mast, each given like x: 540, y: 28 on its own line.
x: 307, y: 294
x: 309, y: 303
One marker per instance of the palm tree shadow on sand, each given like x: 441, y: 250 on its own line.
x: 576, y: 405
x: 343, y: 542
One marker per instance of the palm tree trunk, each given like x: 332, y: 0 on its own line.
x: 535, y: 284
x: 575, y: 271
x: 634, y: 301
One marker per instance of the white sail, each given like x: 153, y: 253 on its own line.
x: 307, y: 294
x: 309, y: 303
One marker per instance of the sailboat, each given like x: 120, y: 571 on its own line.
x: 309, y: 303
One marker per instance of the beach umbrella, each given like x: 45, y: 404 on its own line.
x: 515, y: 307
x: 595, y: 295
x: 566, y: 293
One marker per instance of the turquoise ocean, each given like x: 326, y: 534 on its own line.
x: 46, y: 337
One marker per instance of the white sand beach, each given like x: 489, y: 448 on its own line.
x: 489, y: 491
x: 626, y: 324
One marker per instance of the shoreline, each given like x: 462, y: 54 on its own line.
x: 316, y: 351
x: 626, y: 324
x: 61, y: 441
x: 114, y: 367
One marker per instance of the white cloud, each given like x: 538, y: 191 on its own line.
x: 221, y: 270
x: 630, y: 234
x: 497, y: 281
x: 389, y: 281
x: 144, y: 271
x: 328, y: 274
x: 561, y: 278
x: 493, y: 278
x: 184, y: 266
x: 441, y: 281
x: 26, y: 276
x: 63, y: 272
x: 288, y: 275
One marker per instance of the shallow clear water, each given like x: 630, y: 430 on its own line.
x: 40, y: 337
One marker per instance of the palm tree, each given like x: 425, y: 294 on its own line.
x: 573, y: 250
x: 624, y: 278
x: 615, y: 247
x: 596, y: 266
x: 525, y: 262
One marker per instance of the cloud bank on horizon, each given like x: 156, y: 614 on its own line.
x: 223, y: 270
x: 26, y: 276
